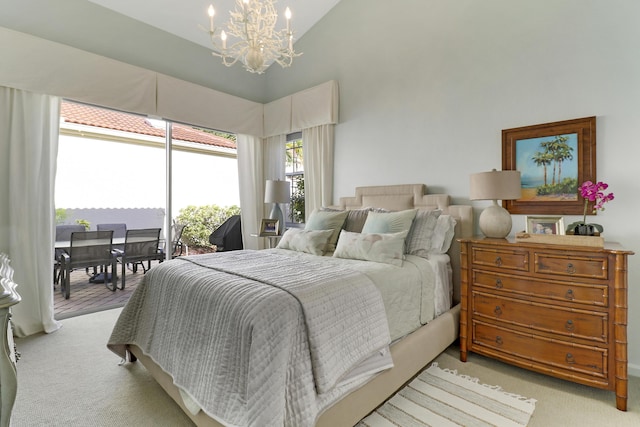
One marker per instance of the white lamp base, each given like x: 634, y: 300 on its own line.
x: 495, y: 221
x: 276, y: 213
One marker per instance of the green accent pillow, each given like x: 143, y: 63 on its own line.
x: 327, y: 220
x: 389, y: 222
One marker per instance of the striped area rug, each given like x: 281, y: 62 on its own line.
x: 442, y: 398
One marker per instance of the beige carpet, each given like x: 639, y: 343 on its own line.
x: 69, y: 378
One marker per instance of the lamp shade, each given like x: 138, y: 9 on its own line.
x: 495, y: 185
x: 276, y: 191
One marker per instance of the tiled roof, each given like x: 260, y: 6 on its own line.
x: 111, y: 119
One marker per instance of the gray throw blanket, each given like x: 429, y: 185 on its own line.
x: 254, y: 337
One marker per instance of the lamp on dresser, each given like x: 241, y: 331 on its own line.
x: 277, y: 192
x: 495, y: 221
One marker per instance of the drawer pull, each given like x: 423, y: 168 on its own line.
x: 571, y: 268
x: 569, y: 326
x: 498, y: 261
x: 499, y: 340
x: 498, y: 284
x: 569, y: 358
x: 497, y: 311
x: 569, y: 295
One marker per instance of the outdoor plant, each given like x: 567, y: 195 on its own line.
x: 84, y: 222
x: 201, y: 221
x: 592, y: 194
x: 296, y: 210
x: 61, y: 215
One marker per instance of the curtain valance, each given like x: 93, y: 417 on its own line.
x: 312, y: 107
x: 56, y: 69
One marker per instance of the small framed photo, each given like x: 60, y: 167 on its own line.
x: 545, y: 225
x: 269, y: 227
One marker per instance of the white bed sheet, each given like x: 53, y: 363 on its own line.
x: 413, y: 294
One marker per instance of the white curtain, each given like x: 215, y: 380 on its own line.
x: 275, y: 157
x: 317, y: 147
x: 29, y: 126
x: 251, y: 181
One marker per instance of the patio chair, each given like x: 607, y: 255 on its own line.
x: 140, y: 245
x: 63, y: 233
x: 176, y: 244
x: 119, y: 232
x: 89, y: 249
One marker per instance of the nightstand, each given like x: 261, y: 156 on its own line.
x: 272, y: 241
x: 559, y: 310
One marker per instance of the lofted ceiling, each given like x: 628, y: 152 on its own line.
x: 187, y: 18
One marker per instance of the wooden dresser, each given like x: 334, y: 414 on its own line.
x: 554, y: 309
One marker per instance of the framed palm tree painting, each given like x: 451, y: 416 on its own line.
x: 554, y: 159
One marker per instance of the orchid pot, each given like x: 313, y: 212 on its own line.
x: 591, y: 193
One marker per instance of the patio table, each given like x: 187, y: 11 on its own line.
x: 66, y: 244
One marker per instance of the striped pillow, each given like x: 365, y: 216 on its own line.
x: 420, y: 237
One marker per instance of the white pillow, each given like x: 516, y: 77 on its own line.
x: 309, y: 241
x: 443, y: 234
x: 380, y: 247
x: 419, y: 239
x: 389, y: 222
x: 327, y: 220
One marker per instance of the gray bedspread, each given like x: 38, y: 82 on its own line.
x: 253, y: 337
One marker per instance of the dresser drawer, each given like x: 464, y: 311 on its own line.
x: 503, y: 259
x: 578, y: 293
x: 564, y: 359
x: 571, y: 266
x: 567, y: 322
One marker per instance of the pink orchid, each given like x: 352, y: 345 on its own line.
x: 595, y: 194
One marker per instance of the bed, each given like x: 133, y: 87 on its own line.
x: 286, y: 356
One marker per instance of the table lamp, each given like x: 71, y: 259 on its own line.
x: 495, y: 221
x: 277, y: 192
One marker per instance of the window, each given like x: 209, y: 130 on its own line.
x: 294, y: 171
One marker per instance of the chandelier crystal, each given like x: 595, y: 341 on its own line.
x: 254, y: 40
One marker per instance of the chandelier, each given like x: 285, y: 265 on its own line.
x: 254, y: 41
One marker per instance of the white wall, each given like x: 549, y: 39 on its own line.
x: 426, y: 87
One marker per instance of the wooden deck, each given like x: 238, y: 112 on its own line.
x: 91, y: 297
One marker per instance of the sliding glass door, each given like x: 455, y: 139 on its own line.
x: 121, y: 167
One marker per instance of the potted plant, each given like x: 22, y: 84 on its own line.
x: 592, y: 194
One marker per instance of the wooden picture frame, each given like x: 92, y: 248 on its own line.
x: 554, y: 159
x: 269, y: 227
x: 545, y: 225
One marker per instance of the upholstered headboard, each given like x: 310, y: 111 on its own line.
x: 413, y: 196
